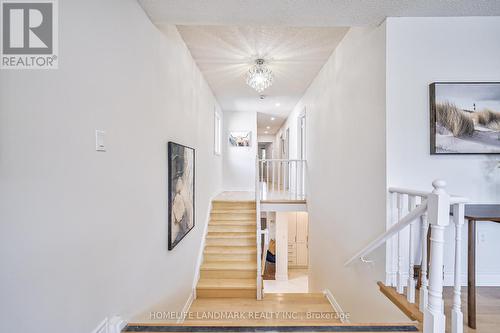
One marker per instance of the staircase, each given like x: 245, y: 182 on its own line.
x: 229, y: 268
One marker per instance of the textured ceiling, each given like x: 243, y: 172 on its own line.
x: 308, y: 12
x: 225, y: 53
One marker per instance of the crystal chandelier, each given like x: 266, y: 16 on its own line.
x: 259, y: 76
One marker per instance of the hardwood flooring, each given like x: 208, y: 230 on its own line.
x: 274, y: 309
x: 488, y: 307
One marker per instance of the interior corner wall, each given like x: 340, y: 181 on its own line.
x: 425, y: 50
x: 83, y: 234
x: 346, y: 164
x: 239, y: 162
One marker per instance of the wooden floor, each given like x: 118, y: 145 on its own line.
x: 488, y: 307
x: 274, y: 309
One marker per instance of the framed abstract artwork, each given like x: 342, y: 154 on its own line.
x: 181, y: 186
x: 465, y: 118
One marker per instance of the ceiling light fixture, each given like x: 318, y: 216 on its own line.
x: 278, y: 104
x: 259, y: 76
x: 272, y: 118
x: 268, y: 127
x: 265, y: 132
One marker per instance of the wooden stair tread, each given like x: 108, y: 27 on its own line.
x: 234, y: 211
x: 251, y: 222
x: 231, y: 228
x: 231, y: 249
x: 231, y: 235
x: 227, y: 283
x: 237, y: 217
x: 229, y: 265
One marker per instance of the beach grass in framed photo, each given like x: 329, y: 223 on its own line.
x: 465, y: 118
x: 181, y: 186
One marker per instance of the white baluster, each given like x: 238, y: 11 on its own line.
x: 279, y: 175
x: 267, y: 175
x: 456, y: 312
x: 273, y: 166
x: 425, y: 282
x: 410, y: 292
x: 394, y: 240
x: 261, y: 171
x: 439, y: 217
x: 400, y: 280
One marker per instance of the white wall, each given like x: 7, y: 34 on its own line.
x: 345, y: 119
x: 419, y: 52
x: 84, y: 233
x: 239, y: 162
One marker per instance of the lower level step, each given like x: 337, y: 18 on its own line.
x: 226, y: 288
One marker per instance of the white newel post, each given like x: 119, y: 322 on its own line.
x: 439, y: 217
x: 425, y: 281
x: 456, y: 312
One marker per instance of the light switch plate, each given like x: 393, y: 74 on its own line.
x: 99, y: 140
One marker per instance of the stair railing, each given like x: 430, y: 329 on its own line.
x: 282, y: 179
x: 413, y: 213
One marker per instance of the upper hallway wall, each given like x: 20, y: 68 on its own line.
x: 345, y: 150
x: 421, y: 51
x: 84, y: 233
x: 239, y: 162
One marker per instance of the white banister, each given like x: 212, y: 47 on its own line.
x: 394, y: 229
x: 424, y: 281
x: 439, y: 217
x: 430, y: 216
x: 456, y: 312
x: 283, y: 179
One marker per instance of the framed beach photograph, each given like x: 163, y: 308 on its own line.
x: 465, y: 118
x: 240, y: 138
x: 181, y: 187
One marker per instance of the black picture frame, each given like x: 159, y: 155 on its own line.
x: 433, y: 118
x: 175, y: 161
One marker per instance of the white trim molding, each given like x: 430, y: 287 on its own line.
x: 199, y: 261
x: 113, y: 325
x: 186, y: 307
x: 116, y: 324
x: 336, y: 306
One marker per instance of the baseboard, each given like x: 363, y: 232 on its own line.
x: 102, y: 327
x: 199, y: 261
x: 336, y: 306
x: 116, y: 324
x: 113, y: 325
x: 187, y: 306
x: 482, y: 279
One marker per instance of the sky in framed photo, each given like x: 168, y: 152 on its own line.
x: 464, y: 96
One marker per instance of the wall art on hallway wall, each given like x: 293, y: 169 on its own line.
x: 181, y: 187
x: 465, y: 118
x: 240, y: 138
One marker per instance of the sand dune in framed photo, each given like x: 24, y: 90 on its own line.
x: 465, y: 118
